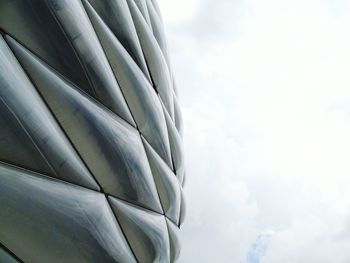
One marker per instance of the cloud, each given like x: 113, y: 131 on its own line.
x: 265, y: 92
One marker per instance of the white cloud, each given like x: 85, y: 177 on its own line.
x: 265, y: 92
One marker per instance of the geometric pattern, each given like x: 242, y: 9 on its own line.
x: 91, y: 158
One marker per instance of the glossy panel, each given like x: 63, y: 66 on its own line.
x: 32, y: 23
x: 146, y: 232
x: 175, y: 243
x: 16, y: 146
x: 22, y: 100
x: 178, y: 116
x: 167, y: 184
x: 110, y: 147
x: 176, y: 148
x: 158, y: 31
x: 74, y: 21
x: 139, y: 94
x: 45, y: 220
x: 174, y: 83
x: 116, y: 15
x: 184, y: 180
x: 155, y: 59
x: 155, y: 4
x: 142, y: 6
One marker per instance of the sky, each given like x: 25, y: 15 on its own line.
x: 265, y: 93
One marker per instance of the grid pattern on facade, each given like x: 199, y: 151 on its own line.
x: 91, y: 159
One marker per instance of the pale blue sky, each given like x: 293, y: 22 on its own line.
x: 265, y: 92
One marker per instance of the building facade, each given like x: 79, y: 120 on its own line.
x: 91, y: 161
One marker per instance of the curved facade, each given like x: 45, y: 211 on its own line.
x: 91, y: 163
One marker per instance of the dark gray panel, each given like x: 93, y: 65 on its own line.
x: 110, y: 147
x: 45, y: 220
x: 16, y: 145
x: 146, y: 232
x: 21, y: 98
x: 140, y: 96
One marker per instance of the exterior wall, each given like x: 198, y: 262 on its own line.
x: 91, y: 163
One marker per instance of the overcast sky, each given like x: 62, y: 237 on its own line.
x: 265, y: 94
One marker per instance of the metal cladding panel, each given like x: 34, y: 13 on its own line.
x: 91, y: 159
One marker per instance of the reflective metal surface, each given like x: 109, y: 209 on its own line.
x: 142, y: 98
x: 168, y: 187
x: 145, y: 230
x: 91, y: 159
x: 117, y: 17
x: 28, y: 110
x: 157, y: 65
x: 175, y: 243
x: 176, y: 148
x: 44, y: 220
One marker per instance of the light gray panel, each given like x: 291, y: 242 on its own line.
x: 183, y: 208
x: 178, y: 116
x: 146, y: 232
x: 158, y: 31
x: 140, y: 96
x: 45, y: 220
x: 155, y: 4
x: 174, y: 84
x: 142, y: 6
x: 110, y: 147
x: 21, y: 98
x: 175, y: 243
x: 74, y: 21
x: 168, y: 186
x: 156, y: 62
x: 176, y: 148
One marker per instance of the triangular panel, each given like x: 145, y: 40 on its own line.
x: 146, y: 232
x: 167, y: 184
x: 16, y: 145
